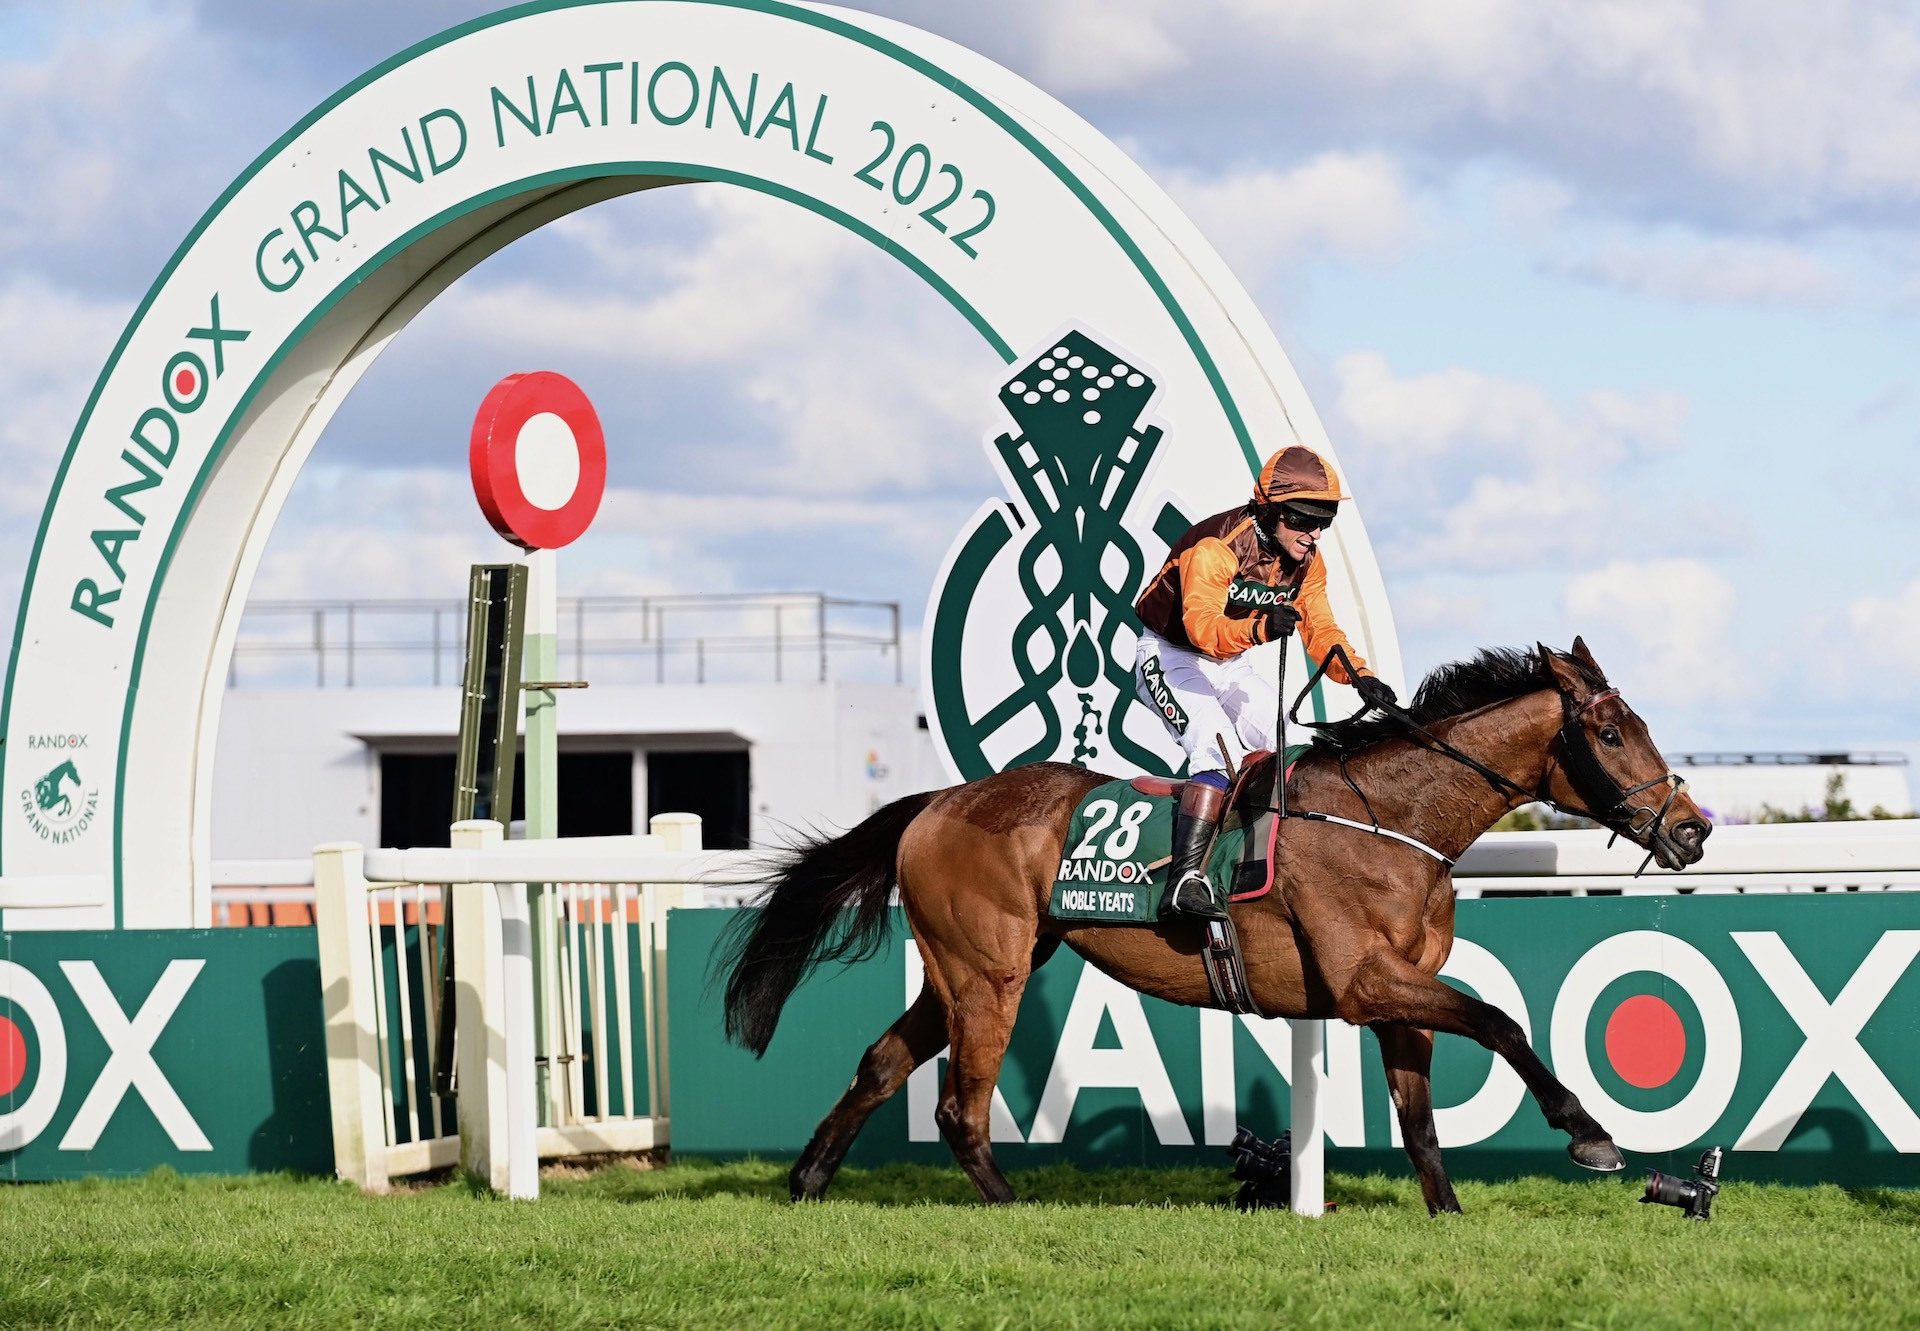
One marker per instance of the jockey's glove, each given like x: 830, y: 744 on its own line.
x: 1374, y: 691
x: 1281, y: 620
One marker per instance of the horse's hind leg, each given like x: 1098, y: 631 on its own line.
x: 1389, y: 988
x: 915, y: 1036
x: 1408, y: 1054
x: 981, y: 1007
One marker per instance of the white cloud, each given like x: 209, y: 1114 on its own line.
x: 56, y: 344
x: 1339, y: 203
x: 1886, y: 631
x: 391, y: 533
x: 1730, y: 271
x: 862, y: 380
x: 1532, y: 204
x: 759, y: 270
x: 1455, y: 612
x: 1671, y: 617
x: 1751, y: 115
x: 1465, y: 470
x: 1087, y: 45
x: 1460, y: 412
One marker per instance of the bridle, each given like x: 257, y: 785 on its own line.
x: 1608, y: 803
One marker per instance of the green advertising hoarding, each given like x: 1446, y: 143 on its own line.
x: 198, y: 1049
x: 1782, y: 1027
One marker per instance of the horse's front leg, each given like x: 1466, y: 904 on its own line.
x: 1386, y: 987
x: 1408, y: 1055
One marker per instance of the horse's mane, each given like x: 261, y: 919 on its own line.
x: 1494, y: 674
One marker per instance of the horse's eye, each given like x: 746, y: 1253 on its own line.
x: 1610, y: 737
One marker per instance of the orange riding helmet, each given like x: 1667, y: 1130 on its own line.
x: 1297, y: 473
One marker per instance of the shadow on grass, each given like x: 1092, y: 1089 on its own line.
x: 1893, y: 1205
x: 924, y: 1185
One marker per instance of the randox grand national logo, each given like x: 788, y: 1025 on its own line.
x: 59, y: 806
x: 1032, y: 629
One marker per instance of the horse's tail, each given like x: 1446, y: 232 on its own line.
x: 802, y: 921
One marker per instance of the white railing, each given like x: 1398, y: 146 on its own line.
x: 1740, y: 858
x: 603, y: 982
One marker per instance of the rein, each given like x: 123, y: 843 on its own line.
x: 1604, y: 796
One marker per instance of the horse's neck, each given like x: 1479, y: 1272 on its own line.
x: 1447, y: 804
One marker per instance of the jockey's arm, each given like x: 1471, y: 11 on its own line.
x: 1318, y: 631
x: 1206, y: 578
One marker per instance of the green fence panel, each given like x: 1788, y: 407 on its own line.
x: 1783, y: 1026
x: 202, y: 1050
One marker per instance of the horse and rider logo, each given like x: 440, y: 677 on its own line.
x: 59, y: 807
x: 1030, y: 646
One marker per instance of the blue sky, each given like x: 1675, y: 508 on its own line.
x: 1610, y: 309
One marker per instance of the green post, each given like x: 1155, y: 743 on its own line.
x: 486, y: 750
x: 542, y: 759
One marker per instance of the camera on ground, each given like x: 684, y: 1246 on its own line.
x: 1695, y: 1195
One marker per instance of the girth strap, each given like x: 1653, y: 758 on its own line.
x: 1376, y: 830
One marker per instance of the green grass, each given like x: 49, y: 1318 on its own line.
x: 718, y: 1245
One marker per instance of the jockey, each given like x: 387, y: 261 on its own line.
x: 1237, y: 580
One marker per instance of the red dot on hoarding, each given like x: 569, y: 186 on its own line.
x: 13, y: 1057
x: 1645, y: 1041
x: 183, y: 383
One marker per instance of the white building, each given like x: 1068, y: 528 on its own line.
x: 1740, y: 787
x: 758, y: 713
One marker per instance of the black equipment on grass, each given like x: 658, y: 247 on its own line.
x: 1264, y: 1171
x: 1695, y: 1195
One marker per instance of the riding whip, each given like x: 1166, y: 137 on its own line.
x: 1280, y: 734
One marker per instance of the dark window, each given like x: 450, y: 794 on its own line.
x: 712, y: 784
x: 416, y: 796
x: 596, y: 794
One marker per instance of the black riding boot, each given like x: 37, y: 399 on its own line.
x: 1194, y: 825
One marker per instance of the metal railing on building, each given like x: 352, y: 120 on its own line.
x: 720, y: 638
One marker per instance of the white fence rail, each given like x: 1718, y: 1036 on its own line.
x: 1743, y: 858
x: 602, y: 985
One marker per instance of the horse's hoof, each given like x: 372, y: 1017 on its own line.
x: 1598, y: 1154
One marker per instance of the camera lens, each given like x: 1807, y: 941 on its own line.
x: 1244, y: 1141
x: 1666, y: 1190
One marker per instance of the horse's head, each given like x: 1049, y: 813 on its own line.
x: 1606, y: 764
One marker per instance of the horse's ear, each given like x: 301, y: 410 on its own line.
x: 1585, y: 657
x: 1565, y: 675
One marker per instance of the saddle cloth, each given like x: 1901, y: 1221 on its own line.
x: 1113, y: 867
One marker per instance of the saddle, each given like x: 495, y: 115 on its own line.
x: 1250, y: 806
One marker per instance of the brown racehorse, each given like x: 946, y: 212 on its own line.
x: 1358, y: 930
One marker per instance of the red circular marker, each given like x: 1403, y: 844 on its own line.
x: 539, y: 460
x: 1646, y: 1042
x: 13, y: 1057
x: 183, y: 382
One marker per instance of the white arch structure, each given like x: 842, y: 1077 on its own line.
x: 343, y: 230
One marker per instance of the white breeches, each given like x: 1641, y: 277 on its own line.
x: 1203, y: 701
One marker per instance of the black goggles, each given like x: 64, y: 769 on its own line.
x: 1298, y: 519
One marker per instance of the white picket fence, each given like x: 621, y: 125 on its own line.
x: 604, y: 1000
